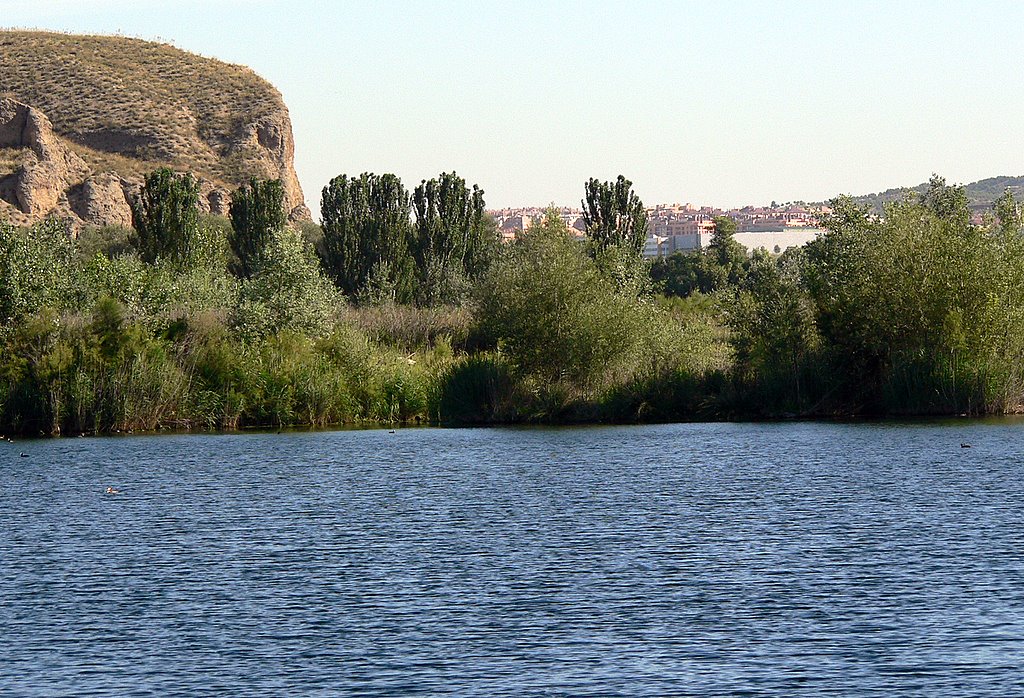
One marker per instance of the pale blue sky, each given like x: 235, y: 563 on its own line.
x: 713, y: 103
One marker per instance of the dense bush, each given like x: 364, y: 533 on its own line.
x: 918, y: 312
x: 556, y: 316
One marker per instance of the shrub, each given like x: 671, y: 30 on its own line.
x: 475, y: 389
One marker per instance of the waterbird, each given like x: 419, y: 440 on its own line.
x: 965, y: 445
x: 111, y: 490
x: 24, y: 455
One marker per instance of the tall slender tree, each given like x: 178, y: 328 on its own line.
x: 366, y: 232
x: 166, y: 216
x: 614, y: 216
x: 451, y: 238
x: 257, y: 214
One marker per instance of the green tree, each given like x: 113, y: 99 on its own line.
x: 680, y: 274
x: 484, y: 244
x: 36, y: 270
x: 366, y: 232
x: 916, y: 308
x: 288, y: 293
x: 614, y: 216
x: 451, y: 238
x: 723, y: 264
x: 774, y: 334
x: 728, y: 258
x: 556, y: 315
x: 947, y: 202
x: 165, y: 216
x: 1008, y: 214
x: 257, y: 214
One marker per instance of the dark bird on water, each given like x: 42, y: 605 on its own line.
x: 965, y: 445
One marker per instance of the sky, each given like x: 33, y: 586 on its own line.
x: 723, y: 103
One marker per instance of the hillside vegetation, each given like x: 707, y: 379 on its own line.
x: 127, y: 104
x: 981, y: 195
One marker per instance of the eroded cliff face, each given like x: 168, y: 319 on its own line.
x: 84, y: 119
x: 41, y: 169
x: 45, y: 177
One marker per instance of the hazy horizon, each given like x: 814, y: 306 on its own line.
x: 730, y: 105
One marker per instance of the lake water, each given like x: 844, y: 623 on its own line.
x: 696, y: 560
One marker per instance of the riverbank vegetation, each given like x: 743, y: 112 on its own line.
x: 406, y: 307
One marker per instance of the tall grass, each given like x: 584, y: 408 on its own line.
x: 67, y: 377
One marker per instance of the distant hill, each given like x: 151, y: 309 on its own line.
x: 123, y: 107
x: 980, y: 194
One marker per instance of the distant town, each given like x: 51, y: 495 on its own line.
x: 687, y: 228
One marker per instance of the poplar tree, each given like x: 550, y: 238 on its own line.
x: 165, y: 216
x: 614, y: 216
x: 366, y: 232
x: 452, y: 241
x: 257, y: 215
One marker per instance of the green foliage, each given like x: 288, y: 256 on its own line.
x: 257, y: 215
x: 727, y: 258
x: 289, y: 382
x: 166, y: 217
x: 410, y: 328
x: 556, y: 316
x: 774, y: 334
x: 477, y: 389
x: 700, y: 336
x: 312, y: 233
x: 1008, y: 214
x: 616, y: 226
x: 126, y: 279
x: 918, y: 312
x: 453, y: 242
x: 366, y: 232
x: 484, y: 244
x: 288, y: 293
x: 614, y: 215
x: 101, y: 373
x: 107, y: 240
x: 722, y: 265
x: 35, y: 270
x: 376, y: 256
x: 681, y: 274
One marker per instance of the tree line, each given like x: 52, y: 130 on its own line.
x: 192, y: 321
x: 917, y: 311
x: 405, y: 306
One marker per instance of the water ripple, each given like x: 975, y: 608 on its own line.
x: 690, y: 560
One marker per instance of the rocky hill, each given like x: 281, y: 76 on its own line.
x: 83, y: 119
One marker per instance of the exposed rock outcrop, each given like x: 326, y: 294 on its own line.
x: 83, y: 119
x: 103, y: 200
x: 47, y: 169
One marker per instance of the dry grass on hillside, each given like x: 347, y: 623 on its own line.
x: 103, y: 161
x: 142, y: 100
x: 10, y: 160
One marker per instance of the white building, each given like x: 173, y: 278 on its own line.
x: 664, y: 245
